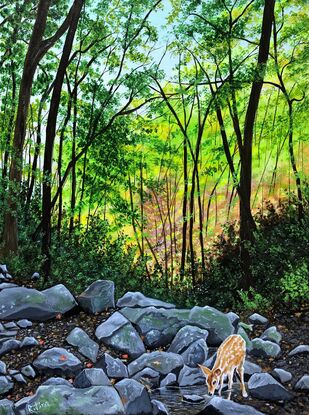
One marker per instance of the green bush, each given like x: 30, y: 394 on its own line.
x: 252, y: 301
x: 295, y: 286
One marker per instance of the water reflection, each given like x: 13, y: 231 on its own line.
x: 172, y: 398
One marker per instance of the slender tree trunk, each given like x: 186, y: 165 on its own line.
x: 168, y: 202
x: 247, y: 224
x: 191, y: 224
x: 82, y: 189
x: 184, y: 209
x: 293, y: 163
x: 50, y: 136
x: 142, y: 206
x: 11, y: 121
x: 10, y: 234
x: 37, y: 145
x: 73, y: 188
x: 201, y: 220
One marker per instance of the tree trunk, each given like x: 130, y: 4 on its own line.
x: 293, y: 163
x: 36, y: 50
x: 73, y: 187
x: 10, y: 233
x: 247, y: 224
x: 50, y: 135
x: 184, y: 209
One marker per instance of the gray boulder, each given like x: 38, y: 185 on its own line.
x: 99, y: 296
x: 242, y: 332
x: 86, y: 346
x: 264, y: 386
x: 193, y: 398
x: 148, y: 377
x: 135, y: 397
x: 28, y: 371
x: 301, y: 349
x: 234, y: 319
x: 9, y: 345
x: 186, y: 336
x: 91, y: 377
x: 219, y: 406
x: 10, y: 325
x: 29, y: 342
x: 114, y: 368
x: 303, y: 384
x: 19, y: 378
x: 157, y: 326
x: 217, y: 323
x: 3, y: 269
x: 6, y: 407
x: 196, y: 353
x: 137, y: 299
x: 264, y: 348
x: 60, y: 299
x: 272, y: 335
x: 28, y: 303
x: 169, y: 380
x: 2, y: 368
x: 158, y: 408
x: 281, y: 375
x: 5, y: 285
x: 251, y: 368
x: 64, y: 400
x: 258, y: 320
x: 5, y: 385
x: 210, y: 361
x: 58, y: 361
x: 162, y: 362
x: 57, y: 381
x: 118, y: 333
x: 24, y: 323
x: 190, y: 376
x: 245, y: 326
x: 35, y: 276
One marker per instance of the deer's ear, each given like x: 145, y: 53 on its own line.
x: 205, y: 370
x: 218, y: 372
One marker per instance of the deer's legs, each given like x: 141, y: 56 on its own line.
x: 240, y: 371
x: 230, y: 383
x: 221, y: 384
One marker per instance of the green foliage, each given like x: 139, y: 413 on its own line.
x: 253, y: 301
x: 279, y: 255
x: 295, y: 286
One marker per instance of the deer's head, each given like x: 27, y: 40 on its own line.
x: 212, y: 378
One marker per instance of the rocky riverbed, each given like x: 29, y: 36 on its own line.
x: 85, y: 354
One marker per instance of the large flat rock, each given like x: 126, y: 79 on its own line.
x: 28, y: 303
x: 65, y: 400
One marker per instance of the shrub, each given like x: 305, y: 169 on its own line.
x: 295, y: 286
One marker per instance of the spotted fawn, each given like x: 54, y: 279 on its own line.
x: 230, y: 356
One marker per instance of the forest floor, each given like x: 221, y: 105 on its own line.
x: 294, y: 329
